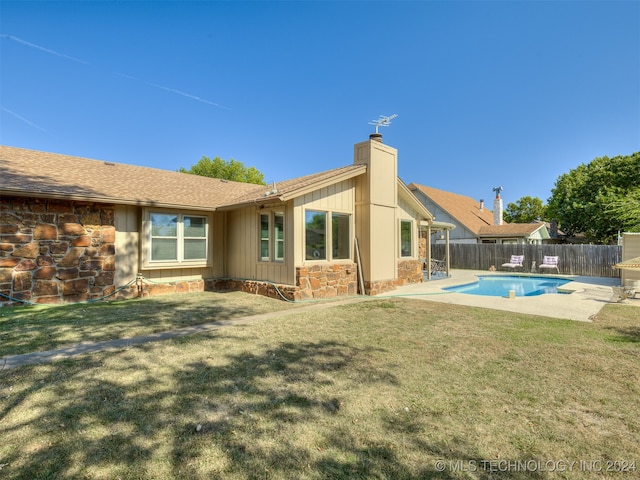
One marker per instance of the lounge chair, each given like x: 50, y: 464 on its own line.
x: 549, y: 262
x: 516, y: 261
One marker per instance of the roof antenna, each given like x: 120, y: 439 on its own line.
x: 382, y: 121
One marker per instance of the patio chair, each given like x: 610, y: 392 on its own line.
x: 621, y: 294
x: 549, y: 262
x: 516, y: 261
x: 438, y: 266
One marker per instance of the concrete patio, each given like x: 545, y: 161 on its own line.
x: 588, y: 295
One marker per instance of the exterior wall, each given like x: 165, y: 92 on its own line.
x: 327, y: 281
x: 243, y: 243
x: 54, y: 251
x: 376, y: 213
x: 630, y: 249
x: 410, y: 271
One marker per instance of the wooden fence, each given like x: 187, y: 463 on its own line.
x: 588, y: 260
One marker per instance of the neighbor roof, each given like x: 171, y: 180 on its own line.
x: 510, y: 229
x: 35, y: 173
x: 464, y: 209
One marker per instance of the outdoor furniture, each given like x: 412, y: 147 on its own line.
x: 438, y: 266
x: 549, y: 262
x: 621, y: 294
x: 516, y: 261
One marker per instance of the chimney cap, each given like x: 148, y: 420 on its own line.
x: 376, y: 137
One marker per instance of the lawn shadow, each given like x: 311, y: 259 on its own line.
x: 29, y: 329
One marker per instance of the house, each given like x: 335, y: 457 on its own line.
x: 74, y: 229
x: 473, y: 221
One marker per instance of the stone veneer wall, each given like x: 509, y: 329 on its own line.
x: 255, y: 287
x: 409, y: 271
x: 54, y: 251
x: 317, y: 281
x: 327, y: 281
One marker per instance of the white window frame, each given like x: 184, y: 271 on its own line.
x: 180, y: 261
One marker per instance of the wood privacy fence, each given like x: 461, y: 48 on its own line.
x: 589, y: 260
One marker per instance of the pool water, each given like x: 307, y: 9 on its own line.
x: 499, y: 286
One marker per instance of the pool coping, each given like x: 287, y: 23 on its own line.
x: 582, y: 300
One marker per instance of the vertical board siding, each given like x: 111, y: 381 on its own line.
x: 587, y: 260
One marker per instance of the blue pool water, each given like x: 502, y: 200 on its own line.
x: 499, y: 286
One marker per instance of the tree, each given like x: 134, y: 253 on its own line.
x: 525, y: 210
x: 599, y: 198
x: 231, y: 170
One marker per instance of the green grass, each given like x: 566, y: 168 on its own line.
x: 35, y: 328
x: 379, y: 389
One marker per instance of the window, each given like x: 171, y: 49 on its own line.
x: 318, y: 236
x: 406, y: 247
x: 272, y: 236
x: 278, y: 235
x: 178, y: 238
x: 340, y: 236
x: 264, y: 237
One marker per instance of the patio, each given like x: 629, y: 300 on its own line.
x: 589, y: 295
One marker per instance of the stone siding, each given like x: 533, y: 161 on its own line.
x: 327, y: 281
x: 317, y: 281
x: 410, y: 271
x: 255, y: 287
x: 54, y: 251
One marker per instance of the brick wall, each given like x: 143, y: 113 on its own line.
x: 54, y: 251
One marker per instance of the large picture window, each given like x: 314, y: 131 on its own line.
x: 272, y: 236
x: 324, y: 243
x: 406, y: 237
x: 178, y: 238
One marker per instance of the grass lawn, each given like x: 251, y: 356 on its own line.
x: 387, y: 388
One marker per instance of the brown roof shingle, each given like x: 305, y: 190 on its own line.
x: 464, y: 209
x: 31, y: 172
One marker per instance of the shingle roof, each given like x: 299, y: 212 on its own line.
x: 467, y: 211
x: 31, y: 172
x: 294, y: 187
x: 464, y: 209
x: 510, y: 229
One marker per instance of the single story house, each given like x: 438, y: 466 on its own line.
x: 473, y: 221
x: 74, y: 229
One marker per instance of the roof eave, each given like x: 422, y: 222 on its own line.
x: 108, y: 200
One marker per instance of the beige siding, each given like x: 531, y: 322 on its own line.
x: 243, y: 241
x: 127, y: 223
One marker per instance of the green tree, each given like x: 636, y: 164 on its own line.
x: 599, y: 198
x: 525, y: 210
x: 231, y: 170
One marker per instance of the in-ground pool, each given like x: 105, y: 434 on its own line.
x: 499, y: 286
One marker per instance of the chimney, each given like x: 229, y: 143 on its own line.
x: 481, y: 205
x: 497, y: 207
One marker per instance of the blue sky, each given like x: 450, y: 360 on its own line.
x: 487, y: 93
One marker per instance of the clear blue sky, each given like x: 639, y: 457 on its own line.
x: 487, y: 93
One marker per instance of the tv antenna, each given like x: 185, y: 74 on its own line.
x: 383, y: 121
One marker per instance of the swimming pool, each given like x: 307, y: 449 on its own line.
x: 499, y: 286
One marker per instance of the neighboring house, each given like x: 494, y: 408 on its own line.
x: 473, y: 221
x: 74, y: 229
